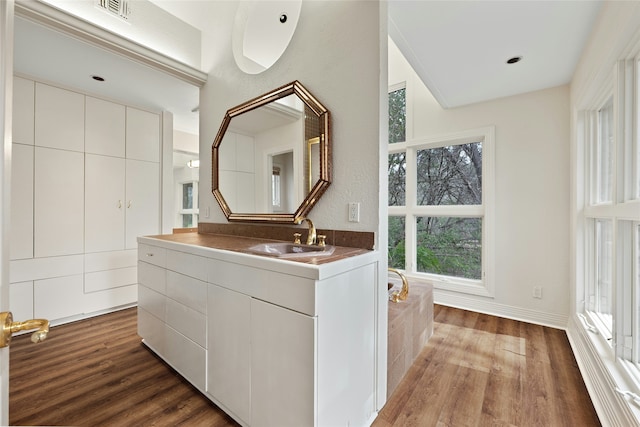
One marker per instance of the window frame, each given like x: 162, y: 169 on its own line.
x: 622, y: 341
x: 195, y: 211
x: 485, y: 285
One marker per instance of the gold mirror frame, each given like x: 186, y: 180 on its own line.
x: 324, y: 141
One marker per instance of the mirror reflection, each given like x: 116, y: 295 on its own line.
x: 271, y: 157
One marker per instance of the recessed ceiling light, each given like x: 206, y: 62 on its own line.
x: 98, y: 78
x: 514, y: 60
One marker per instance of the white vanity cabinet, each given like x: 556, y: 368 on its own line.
x: 172, y: 306
x: 283, y: 350
x: 287, y: 343
x: 229, y: 350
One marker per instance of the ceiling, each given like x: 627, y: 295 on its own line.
x: 51, y: 56
x: 458, y: 48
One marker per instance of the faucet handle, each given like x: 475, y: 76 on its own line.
x: 321, y: 238
x: 296, y: 238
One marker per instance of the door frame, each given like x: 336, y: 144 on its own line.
x: 6, y: 107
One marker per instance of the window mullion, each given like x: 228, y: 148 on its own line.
x: 410, y: 221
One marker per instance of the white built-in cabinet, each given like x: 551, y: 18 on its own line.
x: 85, y: 184
x: 272, y: 343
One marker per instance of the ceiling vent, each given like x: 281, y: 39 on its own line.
x: 116, y: 7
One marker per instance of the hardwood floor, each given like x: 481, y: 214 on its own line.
x: 480, y: 370
x: 476, y: 370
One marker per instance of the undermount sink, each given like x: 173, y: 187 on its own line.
x: 291, y: 250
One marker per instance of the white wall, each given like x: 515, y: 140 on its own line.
x: 531, y: 192
x: 185, y: 141
x: 335, y: 54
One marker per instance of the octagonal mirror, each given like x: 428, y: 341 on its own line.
x: 271, y: 158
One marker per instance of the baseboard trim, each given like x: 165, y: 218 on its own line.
x: 601, y: 378
x: 558, y: 321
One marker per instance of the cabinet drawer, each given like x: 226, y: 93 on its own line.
x: 187, y: 264
x: 152, y: 255
x: 187, y: 321
x: 152, y: 301
x: 296, y: 293
x: 187, y: 290
x: 152, y: 330
x: 186, y: 357
x: 110, y: 279
x: 153, y: 277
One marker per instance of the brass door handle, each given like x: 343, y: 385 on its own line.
x: 9, y: 327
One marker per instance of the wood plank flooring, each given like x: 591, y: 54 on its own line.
x: 480, y: 370
x: 476, y: 370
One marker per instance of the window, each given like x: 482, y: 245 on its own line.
x: 189, y: 207
x: 397, y: 114
x: 276, y: 186
x: 439, y: 204
x: 611, y: 218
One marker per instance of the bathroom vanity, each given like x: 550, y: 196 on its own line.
x: 272, y: 341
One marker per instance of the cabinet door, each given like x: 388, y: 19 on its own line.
x: 22, y: 202
x: 104, y: 127
x: 142, y: 201
x: 104, y: 203
x: 282, y: 366
x: 59, y: 120
x: 59, y: 202
x: 23, y: 110
x: 229, y: 350
x: 143, y: 135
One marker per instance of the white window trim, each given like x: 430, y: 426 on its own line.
x: 485, y: 286
x: 614, y: 347
x: 195, y: 210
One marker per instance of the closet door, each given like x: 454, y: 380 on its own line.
x: 104, y: 203
x: 104, y: 127
x: 142, y: 201
x: 143, y: 135
x: 59, y: 118
x: 59, y: 202
x: 22, y: 202
x: 23, y: 110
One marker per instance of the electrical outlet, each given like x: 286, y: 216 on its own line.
x: 537, y: 292
x: 354, y: 212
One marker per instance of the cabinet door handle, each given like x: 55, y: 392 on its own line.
x: 129, y: 204
x: 149, y: 253
x: 119, y: 204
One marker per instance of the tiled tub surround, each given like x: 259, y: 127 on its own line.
x: 410, y: 327
x: 271, y: 341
